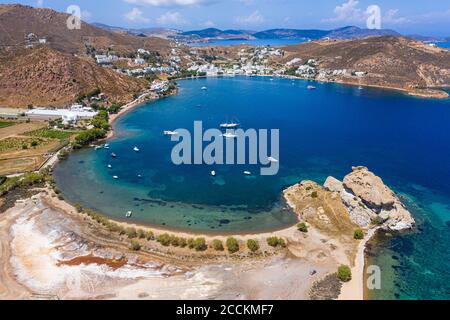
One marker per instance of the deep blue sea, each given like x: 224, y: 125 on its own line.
x: 323, y: 132
x: 443, y: 44
x: 256, y: 42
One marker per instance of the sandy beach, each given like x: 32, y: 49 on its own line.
x: 49, y: 253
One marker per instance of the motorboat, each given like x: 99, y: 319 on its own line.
x: 229, y: 135
x: 311, y: 88
x: 115, y: 177
x: 247, y: 173
x: 230, y: 125
x: 272, y: 159
x: 204, y: 88
x: 109, y: 166
x: 136, y: 149
x: 213, y: 173
x: 170, y: 133
x: 113, y: 155
x: 129, y: 214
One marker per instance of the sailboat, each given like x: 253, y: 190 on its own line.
x: 229, y: 125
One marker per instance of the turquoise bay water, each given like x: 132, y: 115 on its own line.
x: 323, y: 132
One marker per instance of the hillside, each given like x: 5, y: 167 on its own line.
x: 18, y: 21
x: 395, y: 62
x: 44, y: 76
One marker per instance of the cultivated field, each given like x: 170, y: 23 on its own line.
x: 25, y: 147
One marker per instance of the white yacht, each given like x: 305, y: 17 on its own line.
x: 230, y: 125
x: 113, y: 155
x: 204, y: 88
x: 109, y: 166
x: 247, y: 173
x: 170, y: 133
x: 129, y: 214
x: 115, y: 177
x: 311, y: 88
x: 229, y: 135
x: 213, y: 173
x: 136, y: 149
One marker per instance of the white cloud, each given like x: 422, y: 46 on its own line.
x: 348, y: 12
x: 254, y: 19
x: 169, y: 3
x: 86, y: 15
x: 136, y: 15
x: 208, y: 24
x: 171, y: 18
x: 392, y: 17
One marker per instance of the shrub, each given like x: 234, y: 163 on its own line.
x: 232, y: 245
x: 190, y: 243
x: 182, y: 242
x: 34, y: 143
x: 276, y: 242
x: 302, y: 227
x: 149, y: 235
x: 134, y: 245
x: 200, y: 244
x: 164, y: 239
x: 78, y: 207
x: 217, y: 245
x: 252, y: 245
x: 131, y: 232
x: 359, y: 234
x: 314, y: 195
x: 344, y: 273
x: 141, y: 234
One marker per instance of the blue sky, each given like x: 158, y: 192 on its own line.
x: 407, y: 16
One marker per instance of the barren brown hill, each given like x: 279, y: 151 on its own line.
x: 389, y: 61
x: 43, y: 76
x: 18, y: 21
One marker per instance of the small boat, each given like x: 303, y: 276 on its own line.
x: 115, y: 177
x: 170, y: 133
x: 204, y: 88
x: 106, y: 147
x: 139, y: 176
x: 213, y: 173
x: 272, y: 159
x: 247, y: 173
x: 98, y: 147
x: 311, y: 87
x: 113, y: 155
x: 229, y: 125
x: 360, y: 88
x: 136, y: 149
x: 109, y: 166
x: 229, y: 135
x: 271, y: 79
x: 129, y: 214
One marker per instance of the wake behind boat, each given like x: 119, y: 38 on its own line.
x: 170, y: 133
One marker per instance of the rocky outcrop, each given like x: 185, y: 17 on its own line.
x: 369, y: 200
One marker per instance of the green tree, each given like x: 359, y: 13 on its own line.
x: 344, y: 273
x: 200, y: 244
x: 164, y: 239
x: 217, y: 245
x: 134, y: 245
x: 359, y: 234
x: 232, y: 245
x: 302, y: 227
x: 253, y: 245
